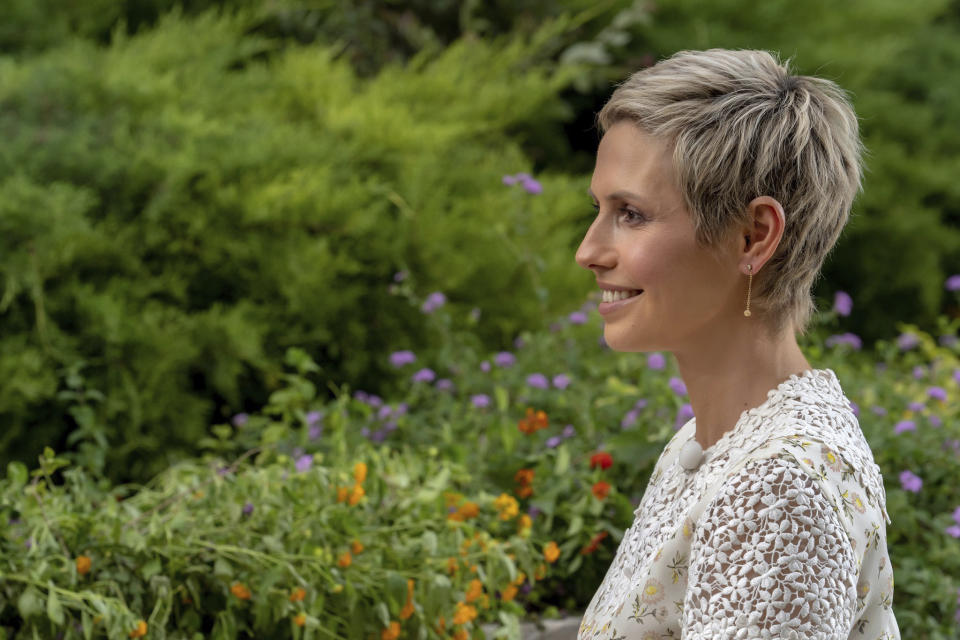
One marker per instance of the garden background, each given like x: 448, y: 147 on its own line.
x: 293, y: 343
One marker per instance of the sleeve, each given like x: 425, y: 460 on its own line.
x: 770, y: 559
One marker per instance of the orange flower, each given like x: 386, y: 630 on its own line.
x: 240, y: 590
x: 474, y: 591
x: 359, y: 472
x: 300, y: 619
x: 541, y: 572
x: 534, y: 421
x: 83, y: 565
x: 507, y: 506
x: 356, y: 494
x: 461, y: 634
x: 356, y: 547
x: 601, y: 489
x: 524, y: 522
x: 407, y: 610
x: 523, y: 476
x: 298, y: 594
x: 524, y: 492
x: 601, y: 459
x: 441, y: 625
x: 452, y: 565
x: 551, y: 552
x: 521, y: 576
x: 464, y: 613
x: 141, y: 629
x: 392, y: 632
x: 342, y: 494
x: 508, y: 594
x: 466, y: 511
x: 345, y: 559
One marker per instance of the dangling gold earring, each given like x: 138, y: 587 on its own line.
x: 749, y: 283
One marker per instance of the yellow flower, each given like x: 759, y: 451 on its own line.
x: 141, y: 629
x: 461, y: 634
x: 507, y: 506
x: 360, y: 472
x: 551, y: 552
x: 83, y: 565
x: 524, y: 524
x: 452, y: 565
x: 509, y: 593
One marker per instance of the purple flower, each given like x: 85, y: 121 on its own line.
x: 390, y: 426
x: 485, y: 366
x: 433, y: 302
x: 910, y: 481
x: 919, y: 372
x: 530, y: 185
x: 378, y: 436
x: 851, y: 339
x: 577, y: 317
x: 656, y: 361
x: 401, y: 409
x: 915, y: 406
x: 304, y: 463
x: 384, y: 412
x: 518, y: 343
x: 855, y: 409
x: 29, y: 544
x: 677, y: 386
x: 602, y: 341
x: 947, y: 340
x: 905, y: 425
x: 937, y: 393
x: 842, y: 303
x: 934, y: 421
x: 505, y: 359
x: 401, y: 358
x: 365, y: 432
x: 400, y: 276
x: 509, y: 180
x: 561, y: 381
x: 878, y: 410
x: 223, y: 470
x: 240, y: 419
x: 629, y: 420
x: 444, y: 384
x: 683, y: 416
x: 248, y: 508
x: 424, y: 375
x: 907, y: 341
x: 953, y: 283
x: 314, y: 432
x: 533, y: 511
x: 313, y: 417
x: 568, y: 431
x: 954, y: 530
x: 956, y: 515
x: 361, y: 395
x: 553, y: 441
x: 480, y: 400
x: 537, y: 381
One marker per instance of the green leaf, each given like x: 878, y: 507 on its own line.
x: 503, y: 398
x: 222, y: 568
x: 150, y: 569
x: 563, y: 461
x: 54, y: 610
x: 396, y: 589
x: 429, y: 542
x: 30, y: 603
x: 383, y: 613
x: 17, y: 474
x: 576, y: 524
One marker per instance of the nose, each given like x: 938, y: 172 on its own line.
x: 595, y: 252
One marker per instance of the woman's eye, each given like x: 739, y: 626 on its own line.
x: 632, y: 216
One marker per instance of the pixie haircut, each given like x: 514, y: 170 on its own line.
x: 741, y: 125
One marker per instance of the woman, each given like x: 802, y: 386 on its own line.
x: 721, y: 183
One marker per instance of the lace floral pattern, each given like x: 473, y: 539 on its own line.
x: 805, y: 438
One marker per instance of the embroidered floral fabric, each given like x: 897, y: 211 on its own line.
x: 779, y: 533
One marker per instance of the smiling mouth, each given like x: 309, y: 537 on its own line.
x: 617, y: 296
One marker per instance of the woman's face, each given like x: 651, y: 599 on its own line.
x: 643, y: 239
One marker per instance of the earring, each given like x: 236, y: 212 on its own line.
x: 749, y: 283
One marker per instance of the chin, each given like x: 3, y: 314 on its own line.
x: 626, y: 344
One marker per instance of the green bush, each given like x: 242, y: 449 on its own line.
x: 181, y: 205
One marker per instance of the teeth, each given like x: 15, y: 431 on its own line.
x: 613, y: 296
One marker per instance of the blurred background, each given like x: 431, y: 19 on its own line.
x: 188, y: 189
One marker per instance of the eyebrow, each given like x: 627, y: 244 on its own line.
x: 622, y: 194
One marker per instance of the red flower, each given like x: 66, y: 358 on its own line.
x: 601, y: 459
x: 594, y: 543
x: 601, y: 489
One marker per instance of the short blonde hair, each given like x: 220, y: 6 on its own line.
x: 741, y: 125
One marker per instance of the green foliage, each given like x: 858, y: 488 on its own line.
x: 218, y: 548
x: 183, y: 203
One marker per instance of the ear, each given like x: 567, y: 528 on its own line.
x: 762, y: 237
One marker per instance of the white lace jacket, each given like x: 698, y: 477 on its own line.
x: 779, y: 533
